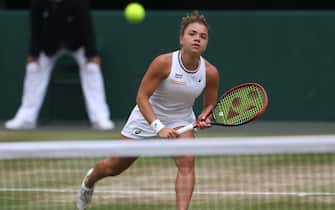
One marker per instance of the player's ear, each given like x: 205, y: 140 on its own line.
x: 181, y: 40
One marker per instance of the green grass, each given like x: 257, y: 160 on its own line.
x: 280, y: 204
x: 50, y: 184
x: 38, y: 184
x: 61, y: 132
x: 59, y: 135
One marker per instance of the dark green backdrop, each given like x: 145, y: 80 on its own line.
x: 290, y: 52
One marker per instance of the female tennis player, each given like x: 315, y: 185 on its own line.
x: 165, y: 102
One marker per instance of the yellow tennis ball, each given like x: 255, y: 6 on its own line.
x: 134, y: 12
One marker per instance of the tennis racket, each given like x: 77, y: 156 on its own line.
x: 237, y: 106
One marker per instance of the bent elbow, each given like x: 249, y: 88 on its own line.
x: 140, y: 99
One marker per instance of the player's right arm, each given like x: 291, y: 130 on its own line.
x: 210, y: 94
x: 35, y: 31
x: 158, y: 70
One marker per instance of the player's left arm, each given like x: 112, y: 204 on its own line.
x: 211, y: 91
x: 158, y: 70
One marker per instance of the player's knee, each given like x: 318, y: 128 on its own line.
x: 186, y: 170
x: 32, y: 67
x: 92, y: 67
x: 186, y: 166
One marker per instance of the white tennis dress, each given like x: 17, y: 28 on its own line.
x: 172, y: 101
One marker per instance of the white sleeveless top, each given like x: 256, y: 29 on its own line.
x: 173, y: 100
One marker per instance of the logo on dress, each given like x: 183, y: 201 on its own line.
x: 178, y: 82
x: 137, y: 131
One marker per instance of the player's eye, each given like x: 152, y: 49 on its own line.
x: 191, y: 33
x: 203, y: 36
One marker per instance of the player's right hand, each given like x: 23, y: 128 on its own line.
x: 167, y: 133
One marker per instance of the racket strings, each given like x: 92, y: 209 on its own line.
x: 239, y: 106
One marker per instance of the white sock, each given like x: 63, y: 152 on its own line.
x: 83, y: 185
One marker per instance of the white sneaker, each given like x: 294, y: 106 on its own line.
x: 19, y: 124
x: 104, y: 125
x: 85, y: 194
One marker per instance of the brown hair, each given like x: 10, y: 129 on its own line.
x: 194, y: 18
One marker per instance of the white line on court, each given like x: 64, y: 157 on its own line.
x: 153, y: 192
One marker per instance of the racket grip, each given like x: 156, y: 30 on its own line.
x: 185, y: 129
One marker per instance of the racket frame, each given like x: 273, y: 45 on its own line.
x: 197, y: 123
x: 266, y: 101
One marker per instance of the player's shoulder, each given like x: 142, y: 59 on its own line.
x: 211, y: 69
x: 164, y: 59
x: 161, y: 65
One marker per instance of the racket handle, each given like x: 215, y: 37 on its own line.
x: 185, y: 129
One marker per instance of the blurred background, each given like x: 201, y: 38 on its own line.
x: 285, y: 45
x: 192, y: 4
x: 288, y: 46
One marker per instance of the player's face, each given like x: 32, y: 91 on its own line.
x: 195, y: 38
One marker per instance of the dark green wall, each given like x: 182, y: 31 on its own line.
x: 290, y: 52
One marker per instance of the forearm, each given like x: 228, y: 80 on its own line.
x: 206, y: 110
x: 148, y: 113
x: 146, y: 108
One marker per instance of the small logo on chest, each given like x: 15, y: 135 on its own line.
x: 178, y: 79
x: 178, y: 82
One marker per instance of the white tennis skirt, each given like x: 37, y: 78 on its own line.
x: 137, y: 127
